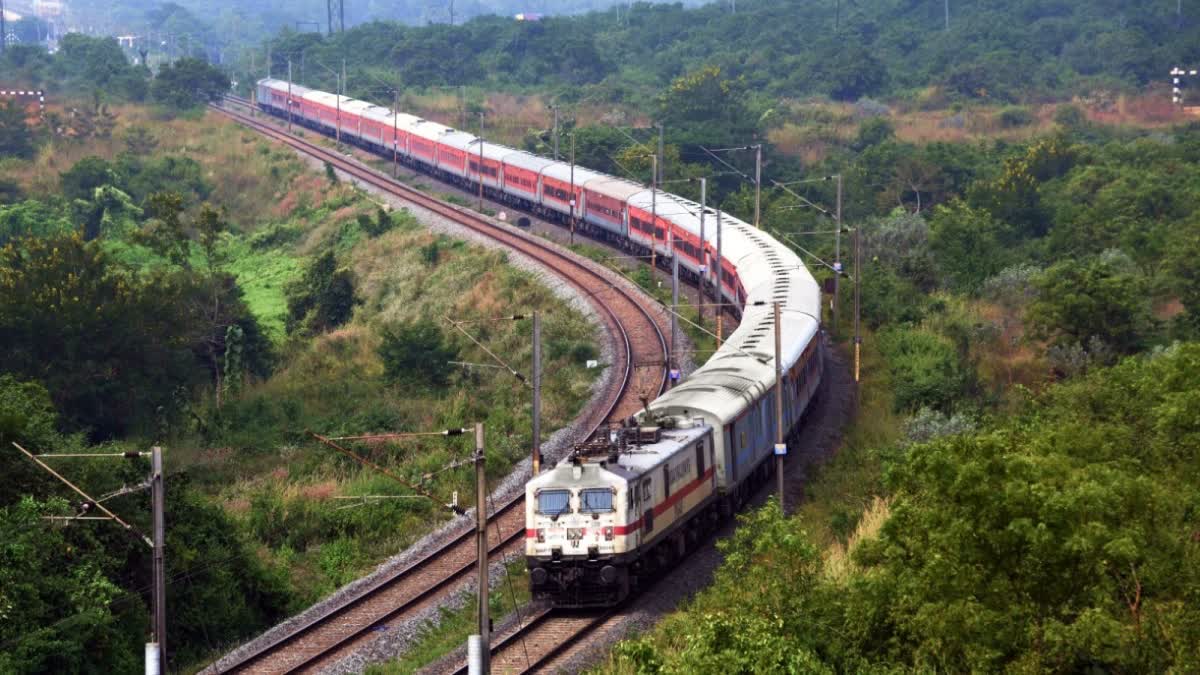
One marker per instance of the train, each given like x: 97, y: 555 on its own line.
x: 624, y: 506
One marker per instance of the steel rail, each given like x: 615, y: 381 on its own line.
x: 544, y: 636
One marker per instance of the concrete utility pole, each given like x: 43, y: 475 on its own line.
x: 947, y: 14
x: 703, y: 254
x: 661, y: 157
x: 158, y: 499
x: 269, y: 59
x: 289, y: 101
x: 572, y: 197
x: 537, y: 392
x: 837, y: 256
x: 780, y: 447
x: 653, y: 216
x: 555, y: 108
x: 720, y: 284
x: 672, y: 365
x: 395, y: 134
x: 156, y: 650
x: 482, y: 553
x: 858, y: 281
x: 3, y: 29
x: 481, y: 162
x: 757, y: 184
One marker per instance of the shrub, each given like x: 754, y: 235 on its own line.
x: 417, y: 354
x: 323, y: 299
x: 926, y: 369
x: 1014, y: 117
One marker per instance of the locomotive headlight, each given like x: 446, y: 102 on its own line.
x: 608, y: 533
x: 541, y: 535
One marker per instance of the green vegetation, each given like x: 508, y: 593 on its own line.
x: 454, y: 626
x: 992, y: 51
x: 1060, y: 539
x: 188, y: 83
x: 136, y: 310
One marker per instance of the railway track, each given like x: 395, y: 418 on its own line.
x: 534, y: 643
x: 343, y: 628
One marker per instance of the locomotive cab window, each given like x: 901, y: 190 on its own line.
x: 553, y: 502
x: 596, y: 500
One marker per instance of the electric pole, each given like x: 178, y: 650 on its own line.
x: 335, y: 9
x: 572, y: 188
x: 537, y: 392
x: 653, y: 216
x: 780, y: 447
x: 661, y: 164
x: 395, y: 134
x: 837, y: 257
x: 482, y: 553
x: 720, y: 283
x: 703, y: 254
x: 155, y: 650
x: 757, y: 184
x: 3, y: 29
x: 158, y: 499
x: 289, y: 101
x: 481, y: 162
x: 858, y: 280
x: 672, y: 367
x: 555, y: 108
x: 947, y: 14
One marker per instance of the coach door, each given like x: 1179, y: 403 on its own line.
x: 648, y: 506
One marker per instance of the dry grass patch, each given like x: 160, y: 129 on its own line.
x: 839, y: 565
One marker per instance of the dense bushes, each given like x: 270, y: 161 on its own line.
x: 417, y: 354
x: 925, y: 369
x: 1061, y: 540
x: 323, y: 298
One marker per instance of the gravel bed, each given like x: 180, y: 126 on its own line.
x: 399, y: 636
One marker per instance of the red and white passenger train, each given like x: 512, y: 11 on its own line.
x: 623, y: 507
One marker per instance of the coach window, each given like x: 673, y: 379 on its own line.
x: 596, y: 500
x: 553, y: 502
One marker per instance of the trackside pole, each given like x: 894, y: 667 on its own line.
x: 780, y: 446
x: 482, y: 557
x: 537, y: 393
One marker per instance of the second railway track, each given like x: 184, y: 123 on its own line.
x: 341, y: 629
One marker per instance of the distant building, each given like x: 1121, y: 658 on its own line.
x: 49, y: 9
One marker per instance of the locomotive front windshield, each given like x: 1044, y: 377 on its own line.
x: 554, y: 502
x: 596, y: 501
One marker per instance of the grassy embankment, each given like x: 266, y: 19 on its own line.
x: 252, y: 455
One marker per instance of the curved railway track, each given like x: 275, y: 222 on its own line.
x: 340, y: 629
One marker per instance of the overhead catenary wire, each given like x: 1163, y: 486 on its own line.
x: 513, y: 371
x: 366, y: 462
x: 83, y: 494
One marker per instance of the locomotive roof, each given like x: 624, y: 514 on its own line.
x: 633, y: 463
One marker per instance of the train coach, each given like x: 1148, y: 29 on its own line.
x: 623, y: 506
